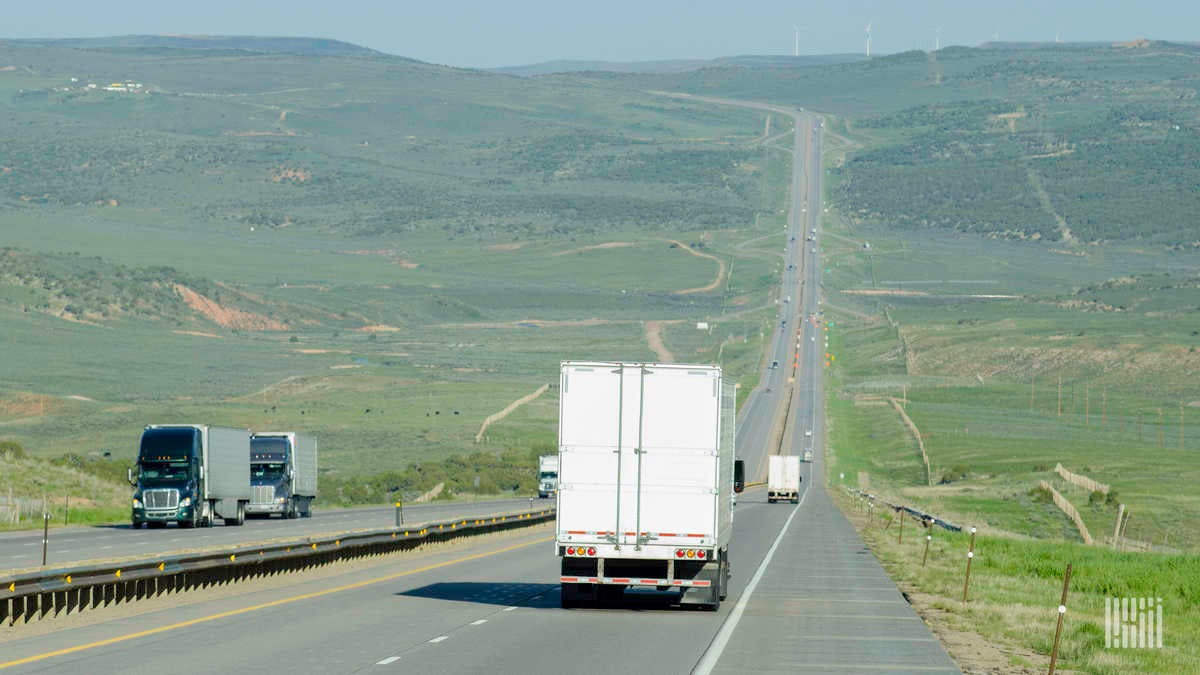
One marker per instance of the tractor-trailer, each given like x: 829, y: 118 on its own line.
x: 190, y: 474
x: 646, y: 481
x: 783, y: 478
x: 283, y: 474
x: 547, y: 476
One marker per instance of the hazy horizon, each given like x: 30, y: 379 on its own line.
x: 489, y: 35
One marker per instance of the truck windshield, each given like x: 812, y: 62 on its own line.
x: 547, y: 474
x: 267, y: 471
x: 155, y: 472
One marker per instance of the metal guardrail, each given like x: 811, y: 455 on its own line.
x: 919, y: 515
x: 51, y: 593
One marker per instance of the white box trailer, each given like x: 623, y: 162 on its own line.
x: 646, y: 480
x: 783, y: 478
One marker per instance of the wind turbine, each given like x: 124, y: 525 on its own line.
x: 937, y: 41
x: 868, y: 40
x: 795, y: 40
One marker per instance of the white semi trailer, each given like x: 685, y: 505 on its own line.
x: 646, y: 481
x: 783, y: 478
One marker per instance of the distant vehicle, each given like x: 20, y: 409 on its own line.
x: 783, y: 478
x: 283, y: 474
x: 808, y: 433
x: 793, y: 239
x: 189, y: 474
x: 813, y: 250
x: 791, y: 266
x: 808, y: 454
x: 547, y: 476
x: 646, y: 453
x: 783, y: 322
x: 774, y: 364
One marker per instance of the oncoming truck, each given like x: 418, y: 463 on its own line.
x: 547, y: 475
x: 783, y: 478
x: 283, y: 474
x: 646, y: 480
x: 190, y: 474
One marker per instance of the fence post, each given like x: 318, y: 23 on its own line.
x: 900, y: 513
x: 1062, y: 612
x: 970, y: 558
x: 67, y: 512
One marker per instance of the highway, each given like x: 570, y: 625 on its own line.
x: 71, y: 545
x: 806, y: 595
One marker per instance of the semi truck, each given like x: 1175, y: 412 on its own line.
x: 783, y: 478
x: 646, y: 481
x: 547, y: 475
x: 190, y: 474
x: 283, y: 474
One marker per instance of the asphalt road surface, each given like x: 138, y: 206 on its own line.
x: 74, y: 545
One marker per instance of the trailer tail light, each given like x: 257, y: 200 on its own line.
x: 570, y: 550
x: 700, y: 554
x: 696, y: 553
x: 679, y: 553
x: 591, y: 550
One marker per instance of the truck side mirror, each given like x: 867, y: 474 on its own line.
x: 739, y: 475
x: 129, y: 477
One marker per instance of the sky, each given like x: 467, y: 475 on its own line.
x: 516, y: 32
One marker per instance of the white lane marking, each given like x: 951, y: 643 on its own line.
x: 509, y: 609
x: 390, y: 659
x: 439, y: 639
x: 19, y: 556
x: 713, y: 654
x: 104, y: 547
x: 480, y: 622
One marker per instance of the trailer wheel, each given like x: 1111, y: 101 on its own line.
x: 293, y: 511
x: 240, y: 518
x: 723, y: 575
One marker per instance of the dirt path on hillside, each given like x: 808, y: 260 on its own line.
x: 654, y: 338
x: 595, y: 247
x: 716, y: 283
x: 497, y: 416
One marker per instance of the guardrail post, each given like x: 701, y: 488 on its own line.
x: 399, y: 512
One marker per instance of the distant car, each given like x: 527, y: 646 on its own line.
x: 783, y: 322
x: 774, y: 364
x: 791, y: 266
x: 812, y: 250
x: 808, y: 433
x: 793, y: 239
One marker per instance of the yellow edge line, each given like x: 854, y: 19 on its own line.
x: 254, y: 608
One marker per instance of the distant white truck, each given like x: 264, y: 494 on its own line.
x: 783, y: 478
x: 547, y: 476
x: 646, y: 481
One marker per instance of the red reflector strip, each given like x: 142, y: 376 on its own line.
x: 649, y: 581
x: 677, y: 583
x: 576, y: 532
x: 701, y: 583
x: 667, y: 534
x: 594, y: 580
x: 695, y: 535
x: 619, y: 581
x: 569, y: 579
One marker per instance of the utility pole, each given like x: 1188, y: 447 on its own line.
x: 1181, y: 425
x: 1087, y: 405
x: 1032, y: 391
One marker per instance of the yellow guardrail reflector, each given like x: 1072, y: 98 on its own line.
x: 68, y: 578
x: 118, y: 574
x: 161, y: 565
x: 232, y: 557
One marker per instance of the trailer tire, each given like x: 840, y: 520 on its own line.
x: 293, y: 511
x: 240, y: 518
